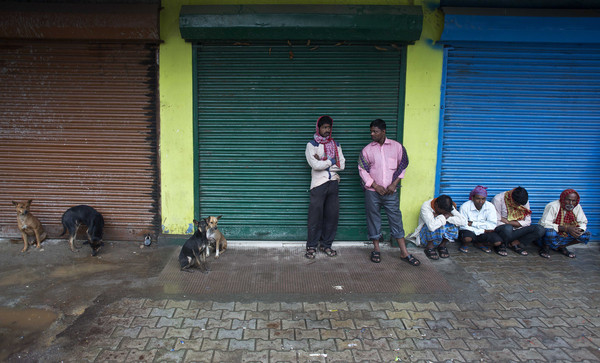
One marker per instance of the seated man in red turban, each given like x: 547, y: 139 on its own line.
x: 565, y: 224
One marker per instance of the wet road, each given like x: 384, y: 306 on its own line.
x: 271, y: 304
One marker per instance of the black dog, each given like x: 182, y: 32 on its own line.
x: 86, y: 215
x: 193, y: 252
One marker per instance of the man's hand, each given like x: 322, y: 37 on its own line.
x: 470, y: 223
x: 515, y: 224
x: 379, y: 189
x: 391, y: 189
x: 317, y: 157
x: 574, y: 231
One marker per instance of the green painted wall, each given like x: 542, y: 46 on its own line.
x: 423, y: 81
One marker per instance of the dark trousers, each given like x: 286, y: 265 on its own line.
x: 490, y: 238
x: 525, y: 235
x: 323, y: 214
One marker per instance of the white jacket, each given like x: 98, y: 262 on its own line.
x: 427, y: 217
x: 322, y: 170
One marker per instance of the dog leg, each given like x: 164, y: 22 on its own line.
x: 38, y: 238
x: 25, y: 241
x: 71, y: 243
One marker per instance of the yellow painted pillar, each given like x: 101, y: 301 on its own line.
x: 421, y: 115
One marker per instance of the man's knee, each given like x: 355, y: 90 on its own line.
x: 539, y: 231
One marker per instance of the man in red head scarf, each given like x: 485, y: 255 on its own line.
x: 324, y: 155
x: 565, y: 224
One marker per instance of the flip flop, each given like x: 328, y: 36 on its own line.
x: 463, y: 249
x: 485, y: 249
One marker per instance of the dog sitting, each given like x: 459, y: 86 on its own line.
x: 216, y: 239
x: 194, y: 250
x: 29, y: 225
x: 88, y: 216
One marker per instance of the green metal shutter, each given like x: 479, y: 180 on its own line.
x: 257, y: 106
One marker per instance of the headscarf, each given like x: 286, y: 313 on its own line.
x: 434, y: 201
x: 566, y: 217
x: 328, y: 143
x: 479, y: 190
x: 515, y: 211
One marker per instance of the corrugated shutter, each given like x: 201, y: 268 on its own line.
x: 78, y: 126
x: 257, y: 109
x: 523, y: 115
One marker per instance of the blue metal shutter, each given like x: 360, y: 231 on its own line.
x: 525, y: 115
x: 257, y: 106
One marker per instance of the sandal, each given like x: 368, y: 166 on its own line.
x: 375, y: 256
x: 328, y: 251
x: 431, y: 253
x: 518, y: 249
x: 566, y: 252
x: 545, y: 252
x: 464, y: 249
x: 485, y: 249
x: 443, y: 251
x: 411, y: 259
x: 501, y: 250
x: 310, y: 253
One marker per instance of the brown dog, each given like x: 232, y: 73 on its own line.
x: 214, y: 236
x: 29, y: 225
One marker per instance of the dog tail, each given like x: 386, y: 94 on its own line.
x: 63, y: 231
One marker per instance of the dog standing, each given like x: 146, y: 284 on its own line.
x: 29, y: 225
x: 215, y: 237
x: 194, y: 251
x: 88, y: 216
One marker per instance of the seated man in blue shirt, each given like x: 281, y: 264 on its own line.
x: 481, y: 217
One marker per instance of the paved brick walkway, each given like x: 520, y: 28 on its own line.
x: 517, y: 309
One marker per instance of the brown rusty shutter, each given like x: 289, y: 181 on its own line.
x: 78, y: 126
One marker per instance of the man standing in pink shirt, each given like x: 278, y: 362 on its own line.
x: 381, y: 165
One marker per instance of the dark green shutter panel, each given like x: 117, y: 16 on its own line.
x: 257, y: 106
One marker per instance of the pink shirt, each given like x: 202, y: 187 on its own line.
x: 382, y: 164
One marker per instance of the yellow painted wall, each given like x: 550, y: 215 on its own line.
x: 421, y: 115
x: 424, y: 70
x: 176, y: 124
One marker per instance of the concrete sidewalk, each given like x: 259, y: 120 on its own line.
x: 273, y: 305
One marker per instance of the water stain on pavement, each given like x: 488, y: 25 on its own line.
x: 77, y: 270
x: 20, y: 328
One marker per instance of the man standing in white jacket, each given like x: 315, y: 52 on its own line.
x: 324, y: 155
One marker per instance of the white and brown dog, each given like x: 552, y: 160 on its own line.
x: 215, y: 238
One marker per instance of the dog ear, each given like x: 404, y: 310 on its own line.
x: 29, y: 201
x: 15, y: 203
x: 219, y: 217
x: 196, y: 222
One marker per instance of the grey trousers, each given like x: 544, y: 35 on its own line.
x: 391, y: 203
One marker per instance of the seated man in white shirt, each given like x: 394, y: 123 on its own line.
x: 565, y: 224
x: 438, y: 224
x: 514, y: 220
x: 481, y: 217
